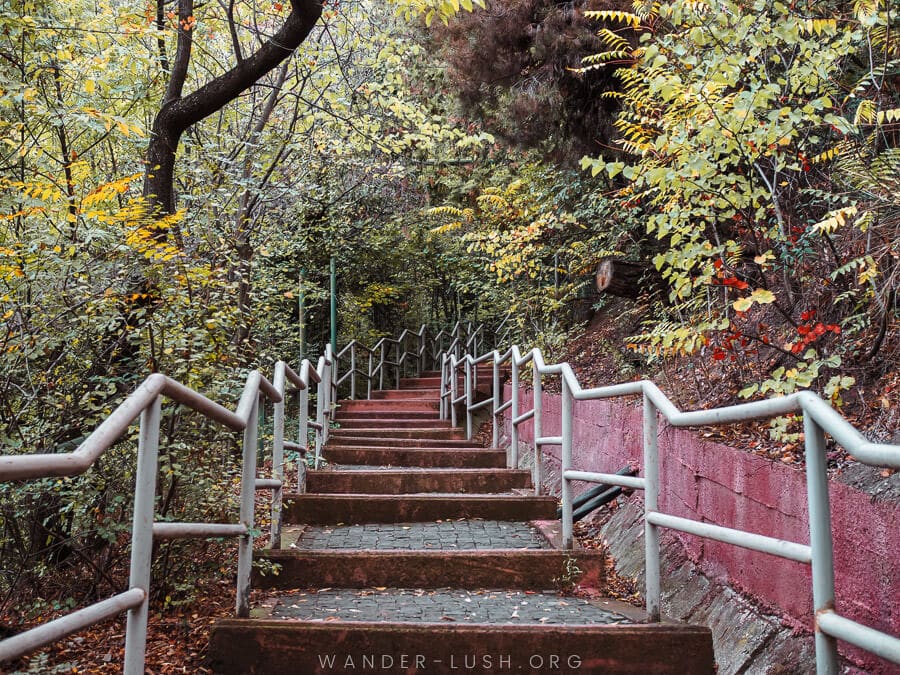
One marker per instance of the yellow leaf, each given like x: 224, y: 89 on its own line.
x: 742, y: 304
x: 89, y: 86
x: 762, y: 296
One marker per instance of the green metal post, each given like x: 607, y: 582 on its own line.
x: 333, y: 307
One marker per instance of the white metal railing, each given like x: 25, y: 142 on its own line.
x: 412, y: 350
x: 819, y: 418
x: 146, y: 402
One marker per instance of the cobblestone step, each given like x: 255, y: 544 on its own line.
x: 435, y: 457
x: 318, y: 509
x: 417, y: 480
x: 451, y: 647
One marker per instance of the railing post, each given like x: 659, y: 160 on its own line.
x: 820, y: 541
x: 369, y: 378
x: 142, y: 536
x: 303, y: 432
x: 568, y: 540
x: 277, y: 456
x: 399, y: 367
x: 381, y: 368
x: 352, y: 370
x: 454, y: 386
x: 420, y: 362
x: 248, y: 491
x: 512, y: 460
x: 442, y: 405
x: 498, y: 400
x: 471, y: 371
x: 321, y: 400
x: 651, y: 503
x: 537, y: 471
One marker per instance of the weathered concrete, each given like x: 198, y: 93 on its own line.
x: 483, y: 458
x: 532, y: 569
x: 385, y: 432
x: 417, y: 480
x: 714, y: 483
x: 319, y: 509
x: 263, y: 647
x: 747, y: 638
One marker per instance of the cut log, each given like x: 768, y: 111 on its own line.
x: 619, y: 277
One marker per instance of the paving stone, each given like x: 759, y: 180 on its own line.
x: 443, y: 535
x: 442, y: 605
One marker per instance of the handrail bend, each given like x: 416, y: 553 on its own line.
x: 819, y: 418
x: 145, y: 402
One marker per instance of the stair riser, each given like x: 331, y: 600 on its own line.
x: 402, y: 482
x: 393, y: 423
x: 402, y: 443
x: 411, y: 394
x: 385, y: 416
x: 243, y: 646
x: 314, y: 509
x: 484, y: 377
x: 392, y: 405
x: 425, y: 443
x: 426, y: 434
x: 475, y: 459
x: 521, y: 570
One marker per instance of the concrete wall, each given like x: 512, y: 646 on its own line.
x: 714, y: 483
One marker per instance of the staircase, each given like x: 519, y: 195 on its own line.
x: 417, y: 551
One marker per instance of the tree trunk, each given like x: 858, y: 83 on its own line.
x: 618, y: 277
x: 178, y: 112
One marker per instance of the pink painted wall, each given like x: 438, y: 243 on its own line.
x: 715, y: 483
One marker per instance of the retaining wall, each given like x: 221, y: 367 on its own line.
x: 714, y: 483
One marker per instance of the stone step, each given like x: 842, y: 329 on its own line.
x: 430, y: 394
x: 512, y: 569
x: 436, y: 457
x: 393, y: 423
x: 325, y: 509
x: 417, y: 480
x: 443, y: 433
x: 336, y: 641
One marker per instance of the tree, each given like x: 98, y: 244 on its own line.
x: 178, y: 112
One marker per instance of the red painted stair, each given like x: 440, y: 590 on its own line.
x: 416, y: 550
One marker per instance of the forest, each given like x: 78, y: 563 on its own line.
x: 175, y: 175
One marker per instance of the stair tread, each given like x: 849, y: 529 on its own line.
x: 407, y: 605
x: 446, y: 535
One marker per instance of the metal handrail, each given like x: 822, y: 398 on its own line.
x: 818, y: 418
x: 146, y: 402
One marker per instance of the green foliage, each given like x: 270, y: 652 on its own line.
x: 743, y: 139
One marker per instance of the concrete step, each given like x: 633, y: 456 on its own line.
x: 410, y: 481
x: 436, y: 457
x: 445, y: 433
x: 385, y: 415
x: 395, y: 404
x: 393, y: 423
x: 374, y: 442
x: 512, y: 569
x: 324, y: 509
x: 430, y: 394
x: 337, y: 642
